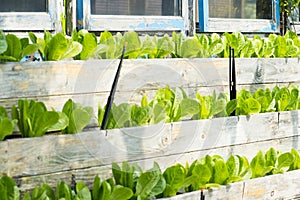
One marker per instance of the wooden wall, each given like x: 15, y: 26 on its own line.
x: 53, y: 158
x: 89, y: 82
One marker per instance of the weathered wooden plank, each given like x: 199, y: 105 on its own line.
x: 89, y: 82
x: 94, y: 99
x: 25, y: 21
x: 296, y: 27
x: 240, y: 25
x: 281, y: 186
x: 76, y: 77
x: 67, y: 152
x: 34, y: 21
x: 233, y: 191
x: 268, y: 70
x: 212, y: 133
x: 47, y: 78
x: 4, y: 158
x: 247, y: 149
x: 135, y: 23
x: 28, y: 183
x: 273, y: 187
x: 95, y: 148
x: 70, y: 16
x: 289, y: 123
x: 190, y: 21
x: 87, y: 175
x: 57, y: 78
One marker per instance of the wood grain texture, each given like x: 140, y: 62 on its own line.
x: 71, y: 77
x: 25, y: 21
x: 239, y: 25
x: 4, y: 158
x: 289, y: 123
x: 66, y: 152
x: 55, y: 153
x: 296, y: 27
x: 104, y: 171
x: 34, y: 21
x: 212, y: 133
x: 48, y: 159
x: 89, y: 82
x: 281, y: 186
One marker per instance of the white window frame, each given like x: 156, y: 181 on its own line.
x: 93, y: 22
x: 33, y: 21
x: 207, y: 24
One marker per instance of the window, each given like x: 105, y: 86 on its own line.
x: 295, y: 15
x: 295, y: 20
x: 136, y: 7
x: 138, y: 15
x: 23, y: 6
x: 239, y: 15
x: 30, y: 15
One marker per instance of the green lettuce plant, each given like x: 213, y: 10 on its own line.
x: 84, y: 45
x: 89, y: 44
x: 296, y: 164
x: 130, y: 182
x: 78, y: 115
x: 265, y: 100
x: 3, y: 43
x: 55, y: 47
x: 263, y: 48
x: 6, y: 124
x: 185, y: 47
x: 126, y: 175
x: 13, y: 49
x: 285, y: 46
x: 211, y: 106
x: 9, y: 189
x: 40, y: 192
x: 34, y: 119
x: 209, y: 45
x: 175, y: 179
x: 273, y: 162
x: 286, y: 98
x: 198, y: 176
x: 273, y: 46
x: 107, y: 190
x: 173, y: 104
x: 150, y: 183
x: 161, y: 47
x: 127, y: 115
x: 113, y: 45
x: 238, y: 168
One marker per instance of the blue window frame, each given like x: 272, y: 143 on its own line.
x: 16, y: 15
x: 124, y: 15
x: 239, y: 15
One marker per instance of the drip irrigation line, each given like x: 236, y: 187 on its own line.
x: 232, y: 77
x: 112, y: 91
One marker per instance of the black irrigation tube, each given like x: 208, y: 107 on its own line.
x: 112, y: 91
x: 232, y: 77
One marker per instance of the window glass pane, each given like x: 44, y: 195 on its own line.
x: 23, y: 6
x: 137, y: 7
x: 295, y: 15
x: 246, y: 9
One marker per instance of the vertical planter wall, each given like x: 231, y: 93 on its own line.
x: 89, y: 82
x: 31, y: 161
